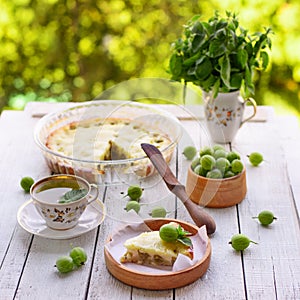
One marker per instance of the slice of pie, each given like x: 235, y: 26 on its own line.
x: 149, y: 249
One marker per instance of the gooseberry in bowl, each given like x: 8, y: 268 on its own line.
x: 216, y: 178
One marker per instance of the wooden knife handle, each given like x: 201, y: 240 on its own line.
x: 197, y: 213
x: 200, y: 217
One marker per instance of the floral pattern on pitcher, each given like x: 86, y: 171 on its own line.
x: 222, y: 115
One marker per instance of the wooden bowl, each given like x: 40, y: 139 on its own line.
x: 160, y: 281
x: 216, y: 193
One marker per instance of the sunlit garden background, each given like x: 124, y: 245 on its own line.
x: 75, y: 50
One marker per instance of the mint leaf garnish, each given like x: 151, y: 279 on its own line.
x: 73, y: 195
x: 186, y: 241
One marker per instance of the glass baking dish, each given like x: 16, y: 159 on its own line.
x: 105, y: 172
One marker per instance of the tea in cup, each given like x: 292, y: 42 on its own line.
x: 61, y: 199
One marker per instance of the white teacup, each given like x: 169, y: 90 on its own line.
x: 61, y: 199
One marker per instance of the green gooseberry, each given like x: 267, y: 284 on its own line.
x: 208, y: 162
x: 134, y: 192
x: 220, y: 153
x: 237, y: 166
x: 229, y: 174
x: 240, y: 242
x: 189, y: 152
x: 214, y: 174
x: 26, y: 183
x: 255, y: 158
x: 222, y: 164
x: 199, y: 170
x: 168, y: 233
x: 133, y: 205
x: 158, y: 212
x: 64, y: 264
x: 232, y: 155
x: 218, y: 147
x: 265, y: 217
x: 206, y: 151
x: 79, y: 256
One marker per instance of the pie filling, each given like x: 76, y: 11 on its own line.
x: 149, y: 249
x: 109, y: 139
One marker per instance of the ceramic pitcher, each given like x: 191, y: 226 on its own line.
x: 224, y: 115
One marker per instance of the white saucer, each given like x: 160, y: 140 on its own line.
x: 30, y: 220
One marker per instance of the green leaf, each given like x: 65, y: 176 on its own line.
x: 225, y: 70
x: 204, y: 69
x: 197, y: 42
x: 215, y: 89
x: 186, y: 241
x: 248, y: 76
x: 242, y: 56
x: 208, y: 28
x: 191, y: 60
x: 175, y: 65
x: 265, y: 59
x: 198, y: 28
x: 216, y: 48
x: 208, y: 83
x: 73, y: 195
x: 236, y: 80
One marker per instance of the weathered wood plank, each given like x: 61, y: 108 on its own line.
x: 19, y: 157
x: 224, y: 262
x: 116, y: 202
x: 272, y: 266
x: 289, y: 133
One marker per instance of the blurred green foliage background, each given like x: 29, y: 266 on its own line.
x: 74, y: 50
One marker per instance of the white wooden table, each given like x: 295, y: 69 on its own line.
x: 269, y: 270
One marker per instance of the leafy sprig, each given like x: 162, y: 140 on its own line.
x: 183, y: 237
x: 219, y: 55
x: 73, y: 195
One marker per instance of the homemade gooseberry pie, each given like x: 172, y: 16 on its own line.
x: 110, y: 139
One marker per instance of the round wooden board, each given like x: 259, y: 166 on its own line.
x: 160, y: 281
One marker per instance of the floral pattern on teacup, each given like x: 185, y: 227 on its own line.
x: 222, y: 115
x: 66, y: 215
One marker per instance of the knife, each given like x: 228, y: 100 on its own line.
x: 199, y: 216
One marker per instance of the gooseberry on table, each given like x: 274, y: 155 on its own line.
x: 64, y: 264
x: 78, y: 256
x: 189, y: 152
x: 158, y: 212
x: 133, y: 205
x: 265, y: 217
x: 255, y: 158
x: 134, y: 192
x: 240, y: 242
x: 26, y: 183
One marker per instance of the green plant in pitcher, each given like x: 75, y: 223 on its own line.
x: 219, y: 55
